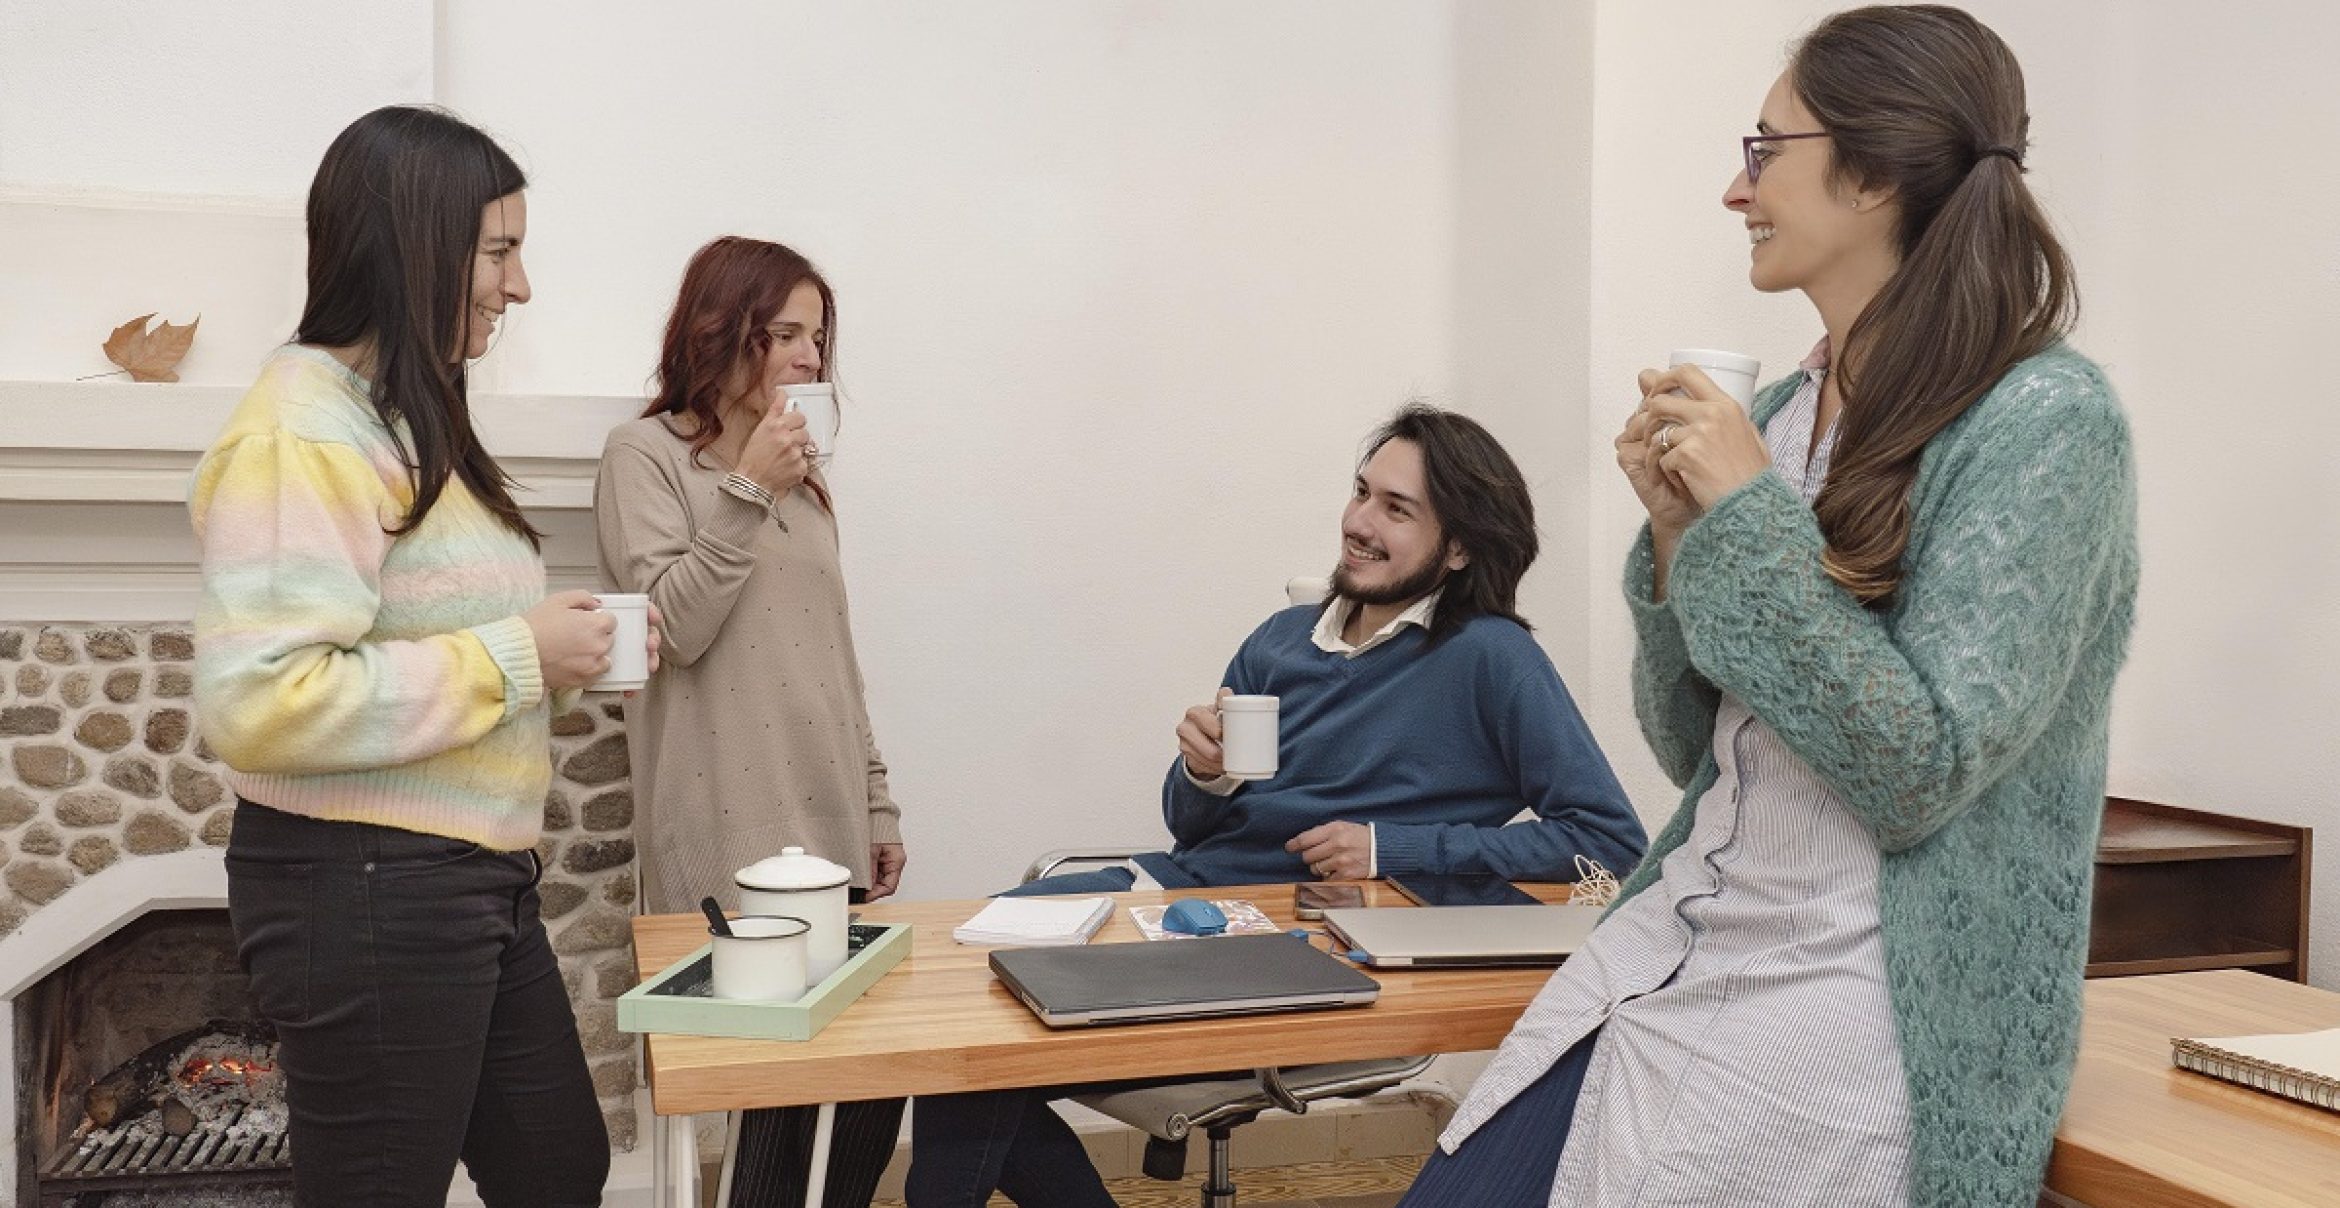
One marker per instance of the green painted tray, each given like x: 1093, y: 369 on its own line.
x: 681, y: 1000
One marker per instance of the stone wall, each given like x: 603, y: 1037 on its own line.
x: 102, y: 763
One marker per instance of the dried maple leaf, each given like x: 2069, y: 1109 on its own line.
x: 149, y: 355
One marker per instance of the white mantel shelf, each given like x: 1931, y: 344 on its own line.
x: 136, y: 442
x: 93, y: 489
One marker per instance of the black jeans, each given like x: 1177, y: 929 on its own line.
x: 420, y: 1015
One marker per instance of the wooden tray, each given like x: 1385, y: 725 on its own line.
x: 681, y: 999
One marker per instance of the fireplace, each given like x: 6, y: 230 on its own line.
x: 148, y: 1077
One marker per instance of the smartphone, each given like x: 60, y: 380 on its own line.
x: 1460, y: 889
x: 1311, y: 899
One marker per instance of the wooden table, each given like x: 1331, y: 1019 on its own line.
x: 2140, y: 1133
x: 940, y: 1022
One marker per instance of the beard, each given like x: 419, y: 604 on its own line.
x: 1412, y: 586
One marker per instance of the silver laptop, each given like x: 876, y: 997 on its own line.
x: 1413, y: 937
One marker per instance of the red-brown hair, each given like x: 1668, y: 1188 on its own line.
x: 731, y: 291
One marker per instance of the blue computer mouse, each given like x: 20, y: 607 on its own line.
x: 1194, y: 916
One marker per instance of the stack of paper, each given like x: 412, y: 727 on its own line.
x: 1035, y: 922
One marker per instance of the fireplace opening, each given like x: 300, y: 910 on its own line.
x: 154, y: 1082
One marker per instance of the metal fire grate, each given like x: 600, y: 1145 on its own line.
x: 128, y: 1156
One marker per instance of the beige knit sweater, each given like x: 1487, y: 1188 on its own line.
x: 754, y: 734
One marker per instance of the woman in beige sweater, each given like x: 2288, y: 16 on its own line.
x: 755, y: 735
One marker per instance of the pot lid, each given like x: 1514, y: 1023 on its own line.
x: 793, y: 868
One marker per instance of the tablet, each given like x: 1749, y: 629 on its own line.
x: 1460, y: 889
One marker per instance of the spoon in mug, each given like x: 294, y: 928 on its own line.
x: 715, y: 920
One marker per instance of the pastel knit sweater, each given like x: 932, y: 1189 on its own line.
x: 343, y: 672
x: 1966, y: 725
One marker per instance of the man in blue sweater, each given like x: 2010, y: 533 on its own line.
x: 1417, y: 718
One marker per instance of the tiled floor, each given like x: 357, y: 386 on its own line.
x: 1374, y: 1183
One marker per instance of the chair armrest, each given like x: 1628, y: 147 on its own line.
x: 1049, y: 861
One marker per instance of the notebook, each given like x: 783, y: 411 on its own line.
x: 1144, y: 983
x: 1403, y: 937
x: 2302, y: 1065
x: 1035, y: 922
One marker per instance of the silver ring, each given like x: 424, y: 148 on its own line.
x: 1665, y: 438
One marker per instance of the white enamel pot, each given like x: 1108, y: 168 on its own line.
x: 804, y: 886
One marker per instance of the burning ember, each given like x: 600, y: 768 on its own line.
x: 208, y: 1072
x: 198, y: 1079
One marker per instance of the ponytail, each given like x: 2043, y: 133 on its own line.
x: 1926, y: 102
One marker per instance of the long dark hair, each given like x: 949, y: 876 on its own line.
x: 1927, y: 103
x: 730, y: 293
x: 394, y: 220
x: 1482, y: 503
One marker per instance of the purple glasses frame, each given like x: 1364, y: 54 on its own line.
x: 1755, y: 164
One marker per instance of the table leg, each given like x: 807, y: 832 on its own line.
x: 730, y: 1159
x: 674, y: 1162
x: 816, y: 1178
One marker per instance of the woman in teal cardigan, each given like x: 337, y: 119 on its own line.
x: 1878, y: 624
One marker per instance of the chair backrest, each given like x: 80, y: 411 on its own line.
x: 1307, y: 589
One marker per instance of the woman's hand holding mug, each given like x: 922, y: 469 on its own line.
x: 779, y: 453
x: 1698, y: 441
x: 1671, y: 508
x: 573, y: 639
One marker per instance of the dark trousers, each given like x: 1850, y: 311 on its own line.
x: 1510, y: 1161
x: 420, y: 1015
x: 775, y: 1150
x: 964, y: 1147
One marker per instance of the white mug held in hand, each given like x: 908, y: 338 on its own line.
x: 1734, y: 373
x: 817, y: 403
x: 1247, y: 736
x: 629, y: 648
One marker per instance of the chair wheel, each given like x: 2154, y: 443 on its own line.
x: 1164, y: 1160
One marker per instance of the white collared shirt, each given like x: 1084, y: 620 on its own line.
x: 1327, y: 637
x: 1336, y: 619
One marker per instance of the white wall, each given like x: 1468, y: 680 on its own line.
x: 230, y: 99
x: 1121, y: 286
x: 2189, y: 154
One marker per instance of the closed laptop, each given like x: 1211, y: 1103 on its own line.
x: 1413, y: 937
x: 1179, y: 979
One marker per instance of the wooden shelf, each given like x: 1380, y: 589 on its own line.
x: 2180, y: 890
x: 2142, y: 832
x: 2236, y: 958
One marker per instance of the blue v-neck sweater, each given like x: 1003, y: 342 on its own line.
x: 1437, y: 746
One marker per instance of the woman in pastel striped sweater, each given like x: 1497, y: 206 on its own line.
x: 375, y: 660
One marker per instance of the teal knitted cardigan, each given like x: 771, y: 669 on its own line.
x: 1964, y: 725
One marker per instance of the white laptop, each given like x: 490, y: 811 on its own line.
x: 1414, y: 937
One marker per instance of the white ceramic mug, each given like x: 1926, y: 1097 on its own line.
x: 629, y: 648
x: 808, y: 887
x: 1247, y: 736
x: 817, y: 402
x: 1734, y: 373
x: 763, y: 959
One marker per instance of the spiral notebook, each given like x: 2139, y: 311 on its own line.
x: 2300, y: 1065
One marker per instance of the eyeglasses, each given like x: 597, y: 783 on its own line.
x: 1755, y: 161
